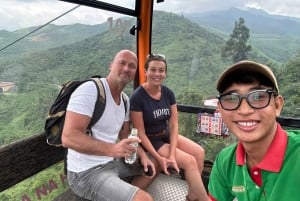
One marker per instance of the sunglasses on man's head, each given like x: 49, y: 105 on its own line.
x: 153, y: 56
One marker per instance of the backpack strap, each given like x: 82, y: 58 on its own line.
x: 125, y: 102
x: 100, y: 102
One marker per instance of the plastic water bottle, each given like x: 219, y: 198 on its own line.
x: 132, y: 158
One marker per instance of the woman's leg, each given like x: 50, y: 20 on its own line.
x: 192, y: 175
x: 143, y: 182
x: 193, y: 149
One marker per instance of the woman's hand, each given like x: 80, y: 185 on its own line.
x: 165, y: 164
x: 172, y: 164
x: 149, y: 167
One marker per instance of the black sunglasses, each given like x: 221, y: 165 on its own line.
x: 257, y: 99
x: 153, y: 56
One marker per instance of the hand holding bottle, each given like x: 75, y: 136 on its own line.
x: 132, y: 158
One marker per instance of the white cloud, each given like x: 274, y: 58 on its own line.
x: 287, y: 7
x: 277, y: 7
x: 198, y: 5
x: 16, y: 14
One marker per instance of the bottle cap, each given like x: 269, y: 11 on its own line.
x: 134, y: 131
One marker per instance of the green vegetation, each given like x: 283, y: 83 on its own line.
x: 48, y: 37
x: 44, y: 186
x: 236, y: 47
x: 289, y: 82
x: 275, y: 37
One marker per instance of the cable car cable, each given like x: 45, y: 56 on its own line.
x: 39, y: 28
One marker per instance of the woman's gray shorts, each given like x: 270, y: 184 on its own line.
x: 103, y: 183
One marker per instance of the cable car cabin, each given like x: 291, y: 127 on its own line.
x: 30, y: 169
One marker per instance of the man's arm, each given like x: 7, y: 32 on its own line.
x: 125, y: 130
x: 74, y: 136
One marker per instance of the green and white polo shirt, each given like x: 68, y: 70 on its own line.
x: 275, y: 178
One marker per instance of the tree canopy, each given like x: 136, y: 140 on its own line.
x: 236, y: 47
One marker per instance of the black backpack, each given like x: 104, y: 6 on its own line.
x: 56, y: 116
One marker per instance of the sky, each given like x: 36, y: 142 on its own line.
x: 17, y: 14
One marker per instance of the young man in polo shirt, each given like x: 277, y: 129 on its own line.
x: 264, y: 165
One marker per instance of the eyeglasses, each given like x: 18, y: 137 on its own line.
x: 257, y: 99
x: 161, y: 56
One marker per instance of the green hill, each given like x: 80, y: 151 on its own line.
x: 275, y: 36
x: 47, y: 37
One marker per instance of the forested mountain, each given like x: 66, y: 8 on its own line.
x: 47, y: 37
x: 197, y: 60
x: 259, y: 21
x: 192, y: 64
x: 289, y: 82
x: 274, y: 35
